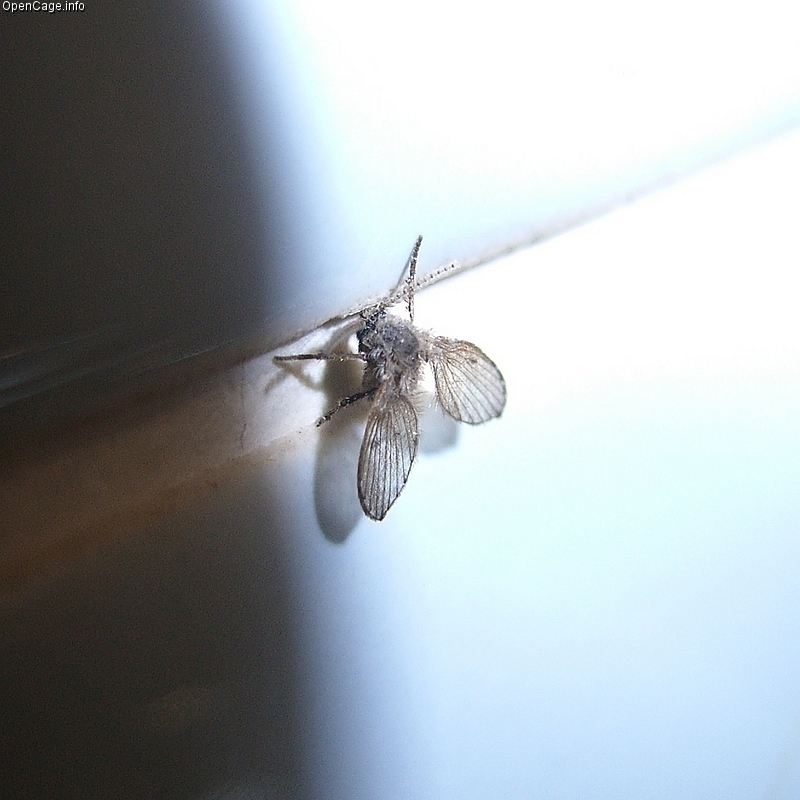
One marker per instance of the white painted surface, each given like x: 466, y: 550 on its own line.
x: 595, y: 596
x: 598, y: 595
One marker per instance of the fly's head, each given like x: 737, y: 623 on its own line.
x: 367, y: 333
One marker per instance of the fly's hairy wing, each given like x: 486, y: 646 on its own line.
x: 468, y: 384
x: 387, y: 452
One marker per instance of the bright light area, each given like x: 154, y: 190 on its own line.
x: 611, y: 583
x: 477, y: 109
x: 482, y: 125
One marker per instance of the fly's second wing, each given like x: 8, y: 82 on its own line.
x: 387, y: 452
x: 468, y: 384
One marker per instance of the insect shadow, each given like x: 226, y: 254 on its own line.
x: 393, y: 356
x: 335, y: 495
x: 336, y: 500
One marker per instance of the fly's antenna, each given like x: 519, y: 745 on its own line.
x: 408, y: 287
x: 412, y: 276
x: 405, y: 289
x: 438, y: 274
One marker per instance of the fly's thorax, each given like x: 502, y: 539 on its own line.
x: 392, y: 349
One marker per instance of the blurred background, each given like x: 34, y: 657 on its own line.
x: 595, y: 596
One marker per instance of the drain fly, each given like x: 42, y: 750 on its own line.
x: 469, y: 387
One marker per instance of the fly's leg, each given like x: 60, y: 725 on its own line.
x: 344, y: 402
x: 323, y: 357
